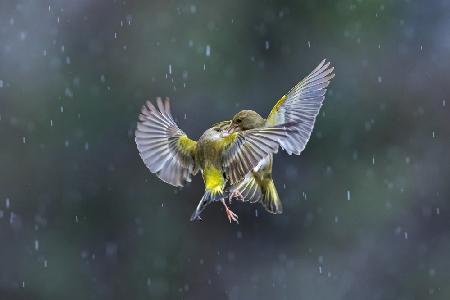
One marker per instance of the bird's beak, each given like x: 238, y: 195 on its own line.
x: 232, y: 128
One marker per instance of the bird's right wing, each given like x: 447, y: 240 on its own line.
x: 301, y: 105
x: 165, y: 149
x: 244, y: 150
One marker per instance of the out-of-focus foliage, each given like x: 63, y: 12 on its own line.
x: 366, y: 205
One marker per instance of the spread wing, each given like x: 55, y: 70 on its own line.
x: 244, y: 150
x: 301, y: 105
x: 165, y: 149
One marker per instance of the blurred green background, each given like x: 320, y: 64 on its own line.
x: 366, y: 205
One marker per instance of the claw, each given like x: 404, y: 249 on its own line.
x: 230, y: 214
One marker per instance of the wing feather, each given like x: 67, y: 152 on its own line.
x: 164, y: 148
x: 301, y: 106
x: 246, y: 149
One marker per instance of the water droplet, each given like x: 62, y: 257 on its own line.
x: 348, y: 195
x: 309, y: 44
x: 438, y: 211
x: 24, y: 139
x: 1, y: 84
x: 170, y: 69
x: 45, y: 263
x: 267, y: 45
x: 86, y: 146
x: 51, y: 123
x: 208, y: 50
x: 36, y: 245
x: 380, y: 79
x: 7, y: 203
x: 406, y: 235
x: 373, y: 160
x: 320, y: 269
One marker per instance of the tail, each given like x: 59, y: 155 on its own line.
x: 271, y: 201
x: 207, y: 198
x: 254, y: 190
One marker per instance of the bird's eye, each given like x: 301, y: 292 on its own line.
x: 238, y: 121
x: 217, y: 129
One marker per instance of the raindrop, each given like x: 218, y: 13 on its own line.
x: 36, y: 245
x: 208, y: 50
x: 267, y: 45
x: 320, y: 269
x: 7, y: 203
x: 373, y: 160
x: 1, y: 84
x: 45, y: 263
x: 24, y: 139
x: 61, y: 108
x: 51, y: 123
x: 406, y: 235
x: 309, y: 44
x: 380, y: 79
x: 115, y: 35
x: 76, y: 219
x: 443, y: 103
x: 438, y: 211
x: 256, y: 213
x: 434, y: 135
x: 348, y: 195
x: 170, y: 69
x: 86, y: 146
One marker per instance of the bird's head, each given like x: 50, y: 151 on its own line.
x: 246, y: 119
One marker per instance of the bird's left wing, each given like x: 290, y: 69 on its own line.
x: 301, y: 105
x: 165, y: 149
x: 244, y: 150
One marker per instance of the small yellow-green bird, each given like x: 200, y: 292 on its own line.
x: 173, y: 157
x: 300, y: 106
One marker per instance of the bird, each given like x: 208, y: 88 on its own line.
x: 300, y: 105
x: 221, y: 157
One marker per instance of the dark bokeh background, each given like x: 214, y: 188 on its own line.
x: 366, y: 204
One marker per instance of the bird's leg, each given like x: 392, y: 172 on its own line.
x: 230, y: 215
x: 235, y: 194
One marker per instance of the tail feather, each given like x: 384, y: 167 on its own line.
x: 207, y: 198
x: 271, y: 201
x: 264, y: 191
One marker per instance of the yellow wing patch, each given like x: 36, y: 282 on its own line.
x: 271, y: 118
x: 186, y: 145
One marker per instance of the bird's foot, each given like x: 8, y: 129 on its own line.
x: 235, y: 194
x: 230, y: 214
